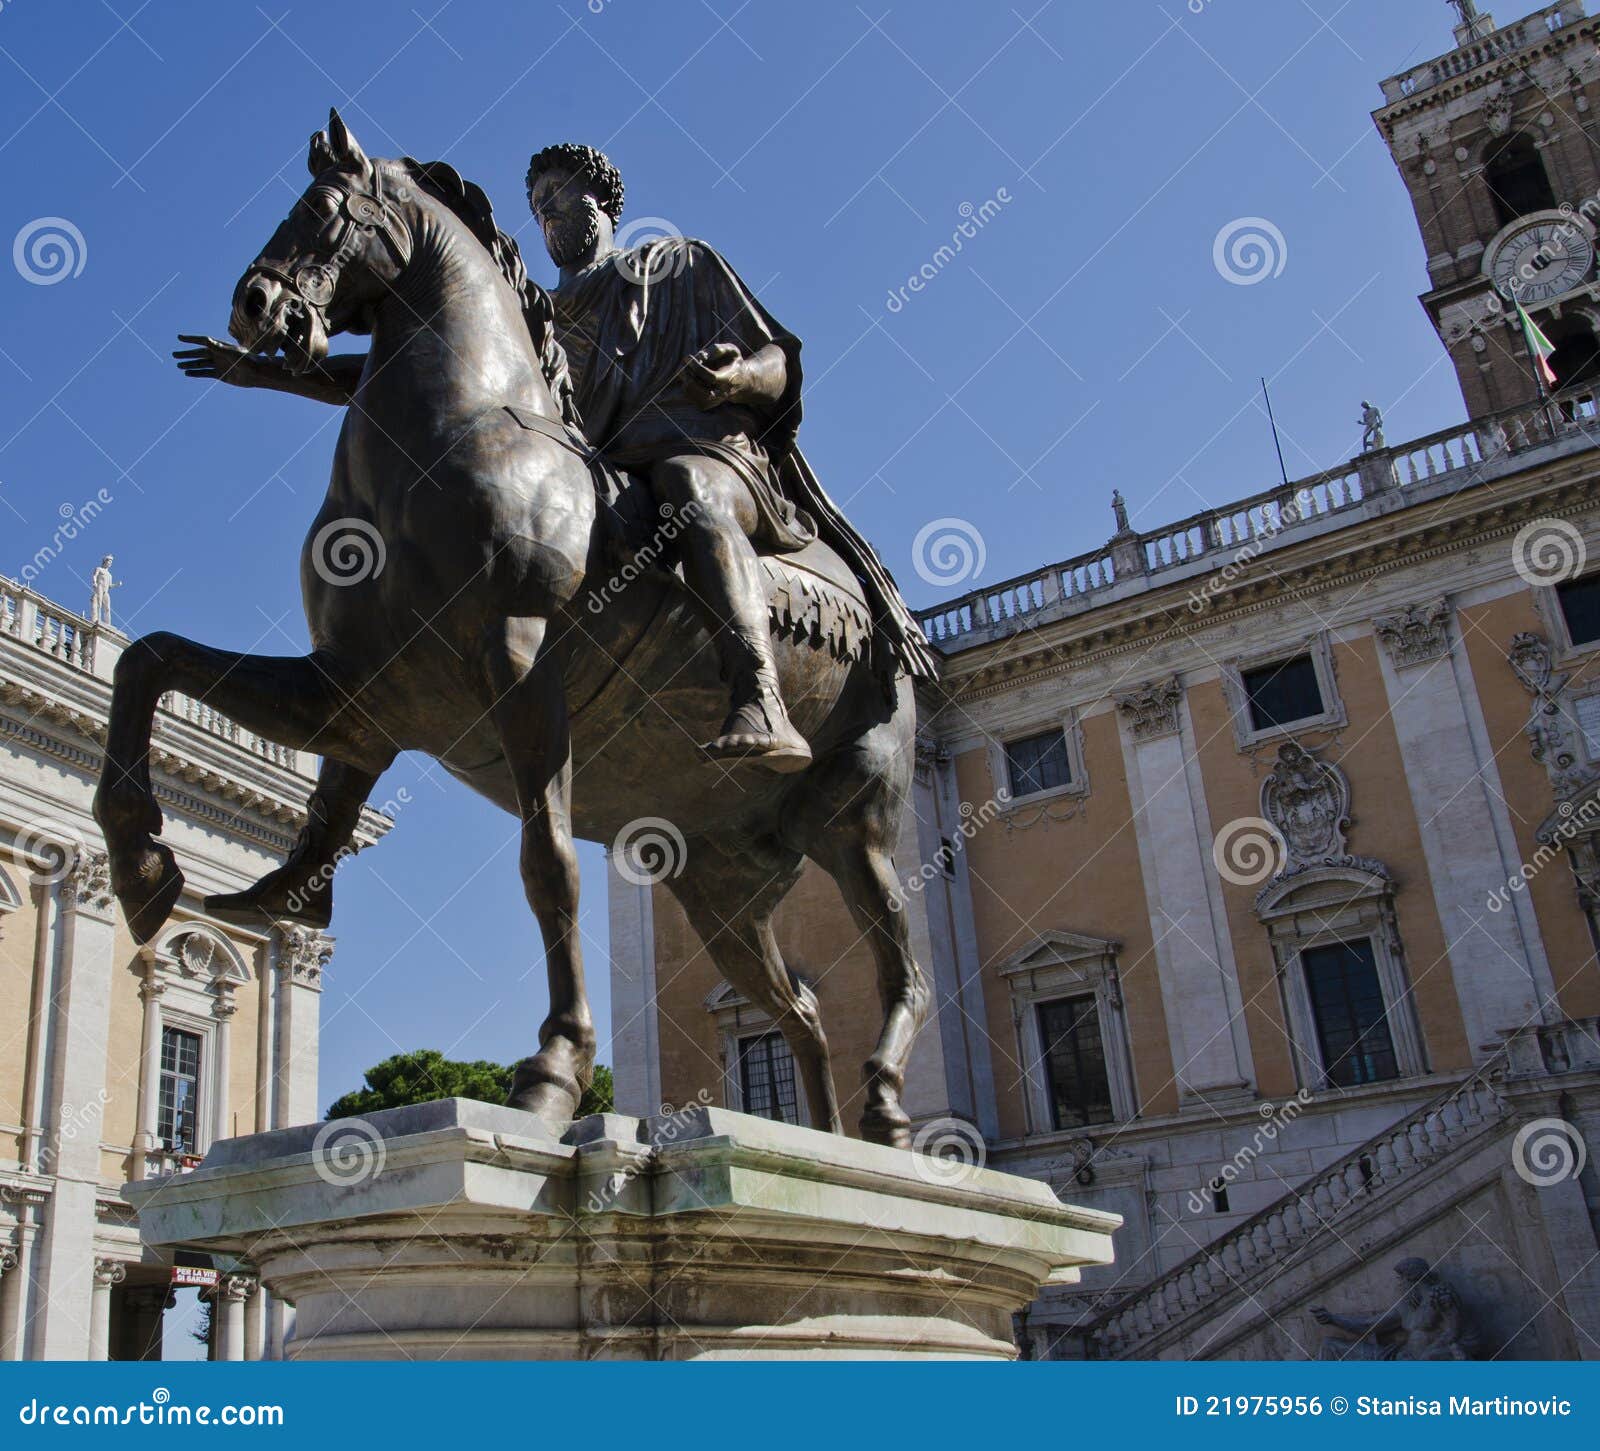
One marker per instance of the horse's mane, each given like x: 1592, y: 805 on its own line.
x: 471, y: 204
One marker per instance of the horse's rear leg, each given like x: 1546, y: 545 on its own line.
x: 866, y: 879
x: 729, y: 901
x: 530, y: 713
x: 848, y: 819
x: 298, y: 701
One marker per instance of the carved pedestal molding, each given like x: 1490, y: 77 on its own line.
x: 706, y: 1235
x: 1418, y: 633
x: 1152, y: 708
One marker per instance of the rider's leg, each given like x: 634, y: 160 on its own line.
x: 723, y: 572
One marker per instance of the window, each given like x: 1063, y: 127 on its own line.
x: 1347, y: 1006
x: 1282, y: 693
x: 1517, y: 181
x: 1038, y: 763
x: 1580, y: 607
x: 1074, y: 1062
x: 766, y: 1078
x: 177, y: 1124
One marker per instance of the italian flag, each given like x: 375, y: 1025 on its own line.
x: 1539, y: 346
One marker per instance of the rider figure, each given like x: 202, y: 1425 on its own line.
x: 681, y: 376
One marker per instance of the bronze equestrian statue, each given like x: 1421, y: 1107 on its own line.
x: 505, y: 616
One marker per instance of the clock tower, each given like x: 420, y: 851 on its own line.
x: 1496, y: 144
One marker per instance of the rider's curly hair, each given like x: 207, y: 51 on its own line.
x: 588, y: 165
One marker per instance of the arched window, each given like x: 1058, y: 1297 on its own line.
x: 1576, y: 359
x: 1517, y: 181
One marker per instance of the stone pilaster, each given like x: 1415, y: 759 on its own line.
x: 300, y: 954
x: 106, y: 1274
x: 80, y: 1015
x: 233, y: 1291
x: 1497, y: 958
x: 635, y: 1024
x: 1212, y: 1062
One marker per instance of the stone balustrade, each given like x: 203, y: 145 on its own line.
x: 1484, y: 50
x: 29, y: 618
x: 1265, y: 1243
x: 1235, y: 534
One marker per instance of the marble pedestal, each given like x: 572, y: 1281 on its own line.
x: 461, y: 1230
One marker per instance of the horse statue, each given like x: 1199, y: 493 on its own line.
x: 479, y: 625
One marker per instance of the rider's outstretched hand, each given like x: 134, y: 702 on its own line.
x: 211, y: 358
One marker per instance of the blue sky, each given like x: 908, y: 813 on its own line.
x: 1082, y: 339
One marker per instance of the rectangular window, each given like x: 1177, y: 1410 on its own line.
x: 766, y: 1078
x: 1347, y: 1004
x: 1283, y: 693
x: 178, y: 1120
x: 1580, y: 604
x: 1038, y: 763
x: 1074, y: 1062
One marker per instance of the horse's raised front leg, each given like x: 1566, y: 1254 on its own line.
x: 530, y: 714
x: 298, y: 701
x: 301, y: 890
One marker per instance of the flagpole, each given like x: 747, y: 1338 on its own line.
x: 1523, y: 322
x: 1274, y: 422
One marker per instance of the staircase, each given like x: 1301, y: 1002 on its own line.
x: 1228, y: 1279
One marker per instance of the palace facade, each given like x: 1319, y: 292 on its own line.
x: 1255, y: 859
x: 117, y: 1061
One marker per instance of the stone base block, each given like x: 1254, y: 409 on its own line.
x: 461, y: 1230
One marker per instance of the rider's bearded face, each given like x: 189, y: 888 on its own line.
x: 570, y: 220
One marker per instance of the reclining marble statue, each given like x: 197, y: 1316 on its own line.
x: 506, y: 453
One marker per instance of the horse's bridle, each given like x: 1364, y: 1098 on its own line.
x: 314, y: 275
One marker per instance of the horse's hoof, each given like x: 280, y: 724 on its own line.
x: 887, y: 1124
x: 271, y: 900
x: 148, y: 884
x: 533, y: 1090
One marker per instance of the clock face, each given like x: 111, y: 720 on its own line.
x: 1542, y: 261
